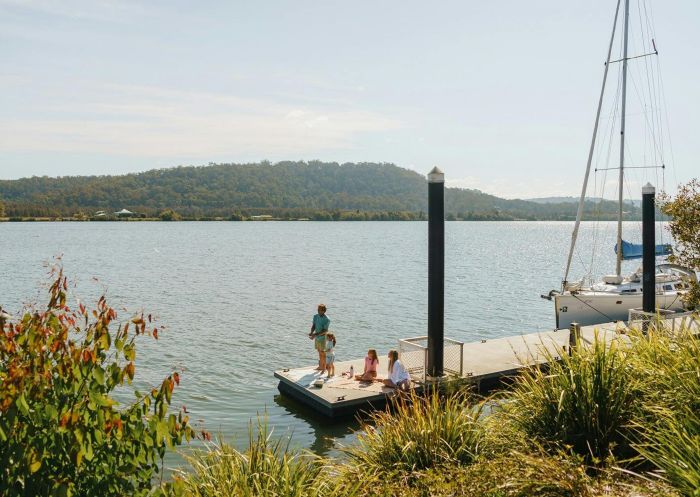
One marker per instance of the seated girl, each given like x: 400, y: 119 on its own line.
x: 398, y: 376
x: 371, y: 363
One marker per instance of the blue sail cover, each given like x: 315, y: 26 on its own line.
x: 634, y: 250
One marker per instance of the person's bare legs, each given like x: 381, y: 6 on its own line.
x: 321, y: 358
x: 366, y: 376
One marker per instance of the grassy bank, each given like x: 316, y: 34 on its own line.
x: 607, y: 421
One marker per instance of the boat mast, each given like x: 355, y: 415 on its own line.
x: 618, y: 265
x: 581, y: 201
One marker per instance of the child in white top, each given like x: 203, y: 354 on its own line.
x: 330, y: 354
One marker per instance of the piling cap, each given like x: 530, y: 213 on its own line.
x: 436, y: 176
x: 648, y: 188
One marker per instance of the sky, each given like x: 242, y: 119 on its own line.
x: 500, y: 95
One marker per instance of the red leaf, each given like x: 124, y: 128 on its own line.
x: 64, y: 420
x: 176, y: 377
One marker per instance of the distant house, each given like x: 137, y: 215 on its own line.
x: 100, y: 214
x: 124, y: 213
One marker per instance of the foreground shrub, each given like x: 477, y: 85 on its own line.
x: 584, y: 402
x: 674, y: 447
x: 61, y: 431
x: 668, y: 365
x: 514, y: 474
x: 265, y: 469
x: 418, y: 433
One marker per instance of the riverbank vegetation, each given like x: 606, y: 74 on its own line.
x: 618, y: 419
x: 285, y: 190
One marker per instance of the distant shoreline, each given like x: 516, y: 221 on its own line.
x: 221, y: 219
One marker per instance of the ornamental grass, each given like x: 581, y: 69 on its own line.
x: 417, y: 433
x: 266, y: 467
x: 584, y: 402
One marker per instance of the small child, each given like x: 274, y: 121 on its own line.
x: 330, y: 354
x: 371, y: 362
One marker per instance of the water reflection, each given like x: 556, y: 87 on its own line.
x: 325, y: 433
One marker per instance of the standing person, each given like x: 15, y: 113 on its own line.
x: 319, y: 329
x: 330, y: 354
x: 398, y: 376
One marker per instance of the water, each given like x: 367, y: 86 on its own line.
x: 235, y: 300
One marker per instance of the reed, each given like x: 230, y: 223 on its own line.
x: 668, y: 368
x: 584, y: 402
x: 673, y: 446
x: 416, y: 433
x: 668, y: 365
x: 266, y: 468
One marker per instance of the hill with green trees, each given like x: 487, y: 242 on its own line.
x: 315, y: 190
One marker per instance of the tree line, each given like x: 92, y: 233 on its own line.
x: 313, y: 190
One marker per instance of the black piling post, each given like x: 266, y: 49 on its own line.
x: 436, y: 272
x: 648, y: 249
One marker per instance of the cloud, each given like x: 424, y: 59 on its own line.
x: 161, y: 122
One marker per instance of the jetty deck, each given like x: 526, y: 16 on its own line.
x: 486, y: 364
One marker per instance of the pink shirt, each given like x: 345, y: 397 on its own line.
x: 370, y: 365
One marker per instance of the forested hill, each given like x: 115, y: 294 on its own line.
x: 286, y: 189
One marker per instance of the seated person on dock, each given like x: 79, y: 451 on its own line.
x: 398, y: 376
x: 319, y: 328
x: 371, y: 363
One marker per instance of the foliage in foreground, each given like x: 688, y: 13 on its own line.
x: 669, y: 366
x: 674, y: 447
x: 266, y: 468
x: 61, y: 430
x: 584, y: 402
x: 419, y: 432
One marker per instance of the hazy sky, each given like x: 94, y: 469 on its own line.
x: 500, y: 94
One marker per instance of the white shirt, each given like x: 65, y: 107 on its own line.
x: 398, y: 373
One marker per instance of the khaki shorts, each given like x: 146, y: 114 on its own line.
x: 320, y: 343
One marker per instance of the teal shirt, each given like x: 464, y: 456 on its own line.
x: 321, y: 323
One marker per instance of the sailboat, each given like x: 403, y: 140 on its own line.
x: 611, y: 298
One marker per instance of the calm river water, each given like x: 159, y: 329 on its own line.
x: 236, y: 299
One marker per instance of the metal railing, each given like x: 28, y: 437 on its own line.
x: 413, y: 353
x: 665, y: 319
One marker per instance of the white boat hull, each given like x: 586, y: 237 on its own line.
x: 595, y: 308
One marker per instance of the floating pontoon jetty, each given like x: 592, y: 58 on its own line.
x: 486, y: 364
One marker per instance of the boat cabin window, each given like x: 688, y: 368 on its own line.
x: 668, y: 287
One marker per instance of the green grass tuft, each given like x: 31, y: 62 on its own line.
x: 419, y: 432
x: 266, y: 468
x: 584, y: 402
